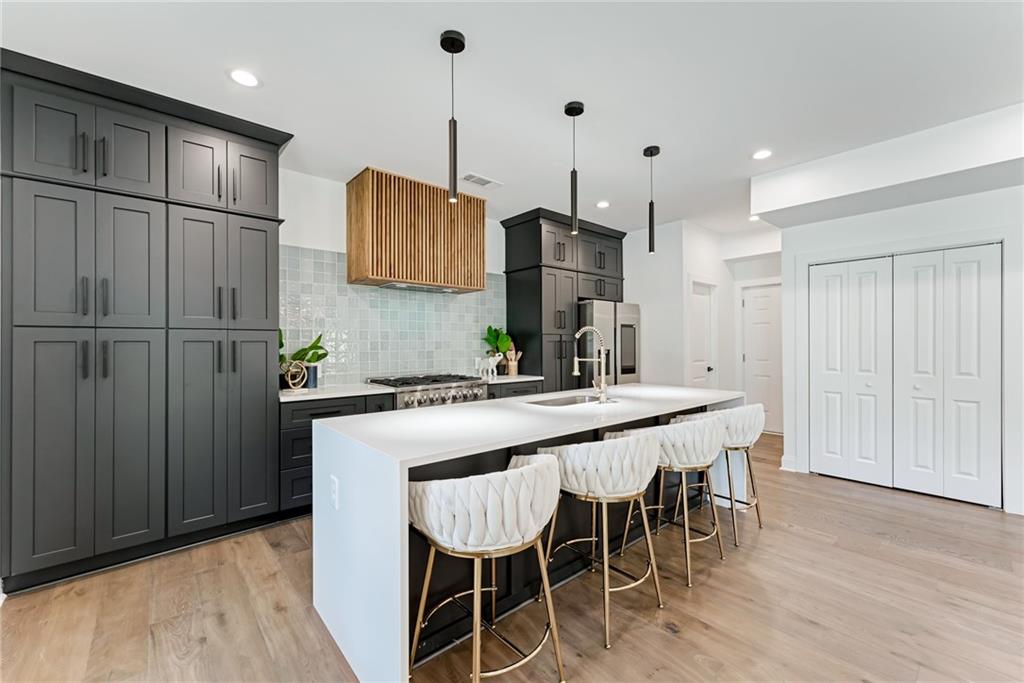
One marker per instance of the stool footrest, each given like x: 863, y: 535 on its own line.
x: 454, y: 599
x: 740, y: 504
x: 635, y: 580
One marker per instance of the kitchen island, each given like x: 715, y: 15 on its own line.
x: 366, y: 560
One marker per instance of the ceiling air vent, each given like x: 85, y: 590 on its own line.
x: 480, y: 180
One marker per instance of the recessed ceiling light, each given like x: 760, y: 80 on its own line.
x: 243, y: 77
x: 754, y: 217
x: 762, y: 154
x: 603, y: 204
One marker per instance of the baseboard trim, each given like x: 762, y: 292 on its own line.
x: 788, y: 463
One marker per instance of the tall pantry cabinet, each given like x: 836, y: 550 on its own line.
x: 138, y: 315
x: 906, y: 372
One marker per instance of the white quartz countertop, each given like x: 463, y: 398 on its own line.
x: 333, y: 391
x: 436, y: 433
x: 505, y: 379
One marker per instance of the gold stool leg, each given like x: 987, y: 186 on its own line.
x: 650, y: 555
x: 551, y: 537
x: 422, y: 609
x: 625, y: 532
x: 542, y: 562
x: 714, y: 511
x: 661, y: 501
x: 732, y: 501
x: 605, y: 584
x: 494, y: 592
x: 686, y: 544
x: 679, y: 495
x: 703, y: 481
x: 593, y: 535
x: 477, y: 581
x: 753, y: 488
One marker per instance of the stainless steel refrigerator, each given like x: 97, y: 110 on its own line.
x: 620, y: 326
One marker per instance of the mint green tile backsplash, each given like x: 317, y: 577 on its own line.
x: 372, y: 332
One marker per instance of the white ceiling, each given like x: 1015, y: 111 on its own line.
x: 367, y: 84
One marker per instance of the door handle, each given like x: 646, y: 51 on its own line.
x: 85, y: 295
x: 104, y: 348
x: 234, y: 303
x: 219, y: 194
x: 85, y: 152
x: 105, y: 286
x: 85, y: 359
x: 710, y: 369
x: 220, y: 302
x: 234, y: 356
x: 101, y: 146
x: 220, y: 356
x: 234, y: 187
x: 600, y: 260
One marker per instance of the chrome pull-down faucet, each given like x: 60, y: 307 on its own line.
x: 599, y: 384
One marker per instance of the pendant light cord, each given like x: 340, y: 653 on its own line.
x: 652, y: 179
x: 574, y: 143
x: 453, y: 85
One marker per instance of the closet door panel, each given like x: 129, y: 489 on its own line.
x: 972, y: 446
x: 829, y: 369
x: 918, y: 361
x: 870, y: 371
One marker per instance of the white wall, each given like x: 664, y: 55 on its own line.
x: 314, y: 213
x: 997, y: 215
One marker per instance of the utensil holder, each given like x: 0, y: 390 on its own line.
x: 513, y: 367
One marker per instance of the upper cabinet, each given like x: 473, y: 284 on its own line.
x: 558, y: 246
x: 253, y: 179
x: 196, y: 167
x: 53, y: 136
x: 252, y: 273
x: 600, y: 255
x: 130, y: 153
x: 197, y: 268
x: 544, y: 238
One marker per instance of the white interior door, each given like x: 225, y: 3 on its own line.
x: 762, y: 351
x: 918, y: 359
x: 870, y: 378
x: 829, y: 369
x: 702, y: 336
x: 972, y: 402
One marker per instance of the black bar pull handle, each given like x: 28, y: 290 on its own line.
x: 101, y: 148
x: 234, y: 303
x: 220, y: 302
x: 234, y: 187
x: 104, y: 348
x: 219, y: 194
x: 85, y: 359
x: 105, y: 286
x: 85, y: 152
x: 85, y: 295
x: 234, y: 356
x: 220, y: 356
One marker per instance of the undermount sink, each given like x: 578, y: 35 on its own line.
x: 566, y: 401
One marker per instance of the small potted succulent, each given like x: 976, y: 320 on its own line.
x: 300, y: 369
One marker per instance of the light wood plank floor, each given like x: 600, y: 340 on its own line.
x: 846, y: 581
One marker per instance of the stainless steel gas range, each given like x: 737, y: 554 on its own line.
x: 417, y: 391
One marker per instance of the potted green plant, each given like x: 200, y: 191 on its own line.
x: 309, y: 356
x: 499, y: 343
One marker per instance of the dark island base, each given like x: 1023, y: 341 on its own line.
x: 518, y: 576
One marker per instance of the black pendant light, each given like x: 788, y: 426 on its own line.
x: 650, y: 153
x: 453, y: 43
x: 574, y: 109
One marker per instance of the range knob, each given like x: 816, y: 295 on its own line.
x: 435, y: 398
x: 457, y: 395
x: 422, y: 400
x: 409, y: 402
x: 478, y: 392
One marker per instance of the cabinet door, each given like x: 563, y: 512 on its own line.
x: 197, y: 264
x: 589, y: 248
x: 252, y: 273
x: 252, y: 425
x: 196, y: 167
x: 52, y: 136
x: 558, y: 301
x: 566, y: 379
x: 566, y: 297
x: 829, y: 371
x: 130, y: 153
x: 131, y: 262
x: 53, y: 243
x: 130, y: 452
x: 253, y: 179
x: 197, y: 419
x: 609, y: 257
x: 555, y: 356
x: 598, y: 287
x: 558, y: 246
x: 53, y: 447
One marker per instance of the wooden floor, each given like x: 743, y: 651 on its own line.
x: 846, y: 581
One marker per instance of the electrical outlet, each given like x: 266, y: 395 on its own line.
x: 334, y: 491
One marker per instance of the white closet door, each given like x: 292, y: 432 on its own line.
x: 918, y: 296
x: 973, y: 397
x: 829, y: 372
x: 870, y: 366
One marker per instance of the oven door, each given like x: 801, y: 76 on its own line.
x: 627, y: 343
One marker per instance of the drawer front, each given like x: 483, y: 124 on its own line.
x: 302, y: 413
x: 296, y: 487
x: 520, y: 389
x: 380, y: 403
x: 596, y: 287
x: 296, y: 448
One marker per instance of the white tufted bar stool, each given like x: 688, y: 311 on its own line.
x: 691, y: 446
x: 486, y: 517
x: 743, y: 427
x: 600, y: 473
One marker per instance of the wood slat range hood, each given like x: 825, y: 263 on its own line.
x: 404, y: 233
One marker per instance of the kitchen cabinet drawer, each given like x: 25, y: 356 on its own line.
x: 296, y: 487
x: 597, y: 287
x: 380, y: 403
x: 519, y: 389
x: 302, y: 413
x: 296, y: 447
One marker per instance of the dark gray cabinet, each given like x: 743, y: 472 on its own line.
x: 558, y: 301
x: 197, y: 267
x: 53, y: 243
x: 598, y: 287
x: 297, y: 487
x: 252, y: 425
x: 196, y: 167
x: 52, y: 136
x: 197, y: 430
x: 252, y: 273
x: 253, y: 172
x: 130, y: 153
x: 131, y: 262
x: 509, y: 389
x: 556, y: 362
x: 130, y: 450
x: 53, y: 447
x: 558, y: 246
x: 600, y: 255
